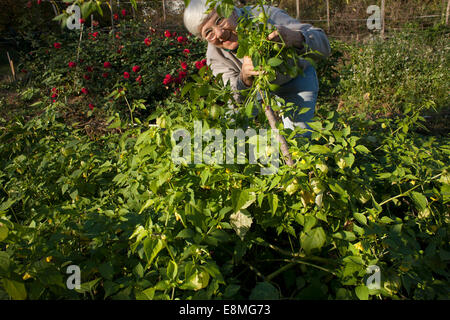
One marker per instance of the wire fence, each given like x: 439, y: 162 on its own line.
x: 337, y: 27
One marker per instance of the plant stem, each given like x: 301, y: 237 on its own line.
x: 408, y: 191
x: 282, y: 269
x: 270, y: 115
x: 131, y: 111
x: 305, y: 263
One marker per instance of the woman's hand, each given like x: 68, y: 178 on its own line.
x: 291, y: 38
x: 248, y: 71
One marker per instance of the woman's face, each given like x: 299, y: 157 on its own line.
x: 220, y: 32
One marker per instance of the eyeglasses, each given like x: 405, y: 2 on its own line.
x: 210, y: 35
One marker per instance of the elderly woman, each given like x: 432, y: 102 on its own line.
x: 220, y: 32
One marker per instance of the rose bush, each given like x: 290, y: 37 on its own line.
x: 360, y: 193
x: 136, y: 61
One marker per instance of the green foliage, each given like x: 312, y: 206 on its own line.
x: 408, y: 68
x: 158, y: 57
x: 361, y: 192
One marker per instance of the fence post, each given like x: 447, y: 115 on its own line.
x: 382, y: 18
x: 328, y: 15
x: 297, y: 2
x: 447, y: 12
x: 164, y: 9
x: 112, y: 16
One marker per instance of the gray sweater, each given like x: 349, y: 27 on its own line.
x: 226, y: 63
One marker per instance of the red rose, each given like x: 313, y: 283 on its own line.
x: 139, y: 79
x: 126, y: 75
x: 136, y: 68
x: 55, y: 95
x: 91, y: 106
x: 95, y: 23
x: 181, y: 39
x: 168, y: 79
x: 95, y: 34
x: 147, y: 41
x: 167, y: 34
x: 29, y: 4
x: 186, y: 51
x: 87, y: 77
x: 200, y: 64
x: 82, y: 21
x: 39, y: 1
x: 89, y: 69
x: 182, y: 74
x: 107, y: 65
x: 105, y: 75
x: 184, y: 65
x: 116, y: 16
x: 85, y: 91
x: 72, y: 64
x: 57, y: 45
x: 54, y: 90
x: 124, y: 12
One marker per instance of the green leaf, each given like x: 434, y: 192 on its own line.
x: 88, y: 286
x: 274, y: 62
x: 264, y: 291
x: 310, y: 222
x: 420, y: 200
x: 106, y: 270
x: 317, y: 125
x: 60, y: 17
x: 360, y: 218
x: 242, y: 199
x: 345, y: 235
x: 349, y: 159
x: 151, y: 248
x: 172, y: 270
x: 196, y: 281
x: 214, y: 271
x: 231, y: 290
x: 274, y: 87
x: 147, y: 294
x: 15, y: 289
x: 4, y: 261
x: 3, y: 232
x: 138, y: 270
x: 362, y: 149
x: 362, y: 292
x: 242, y: 49
x: 319, y: 149
x: 241, y: 222
x: 186, y: 234
x: 313, y: 239
x: 273, y: 202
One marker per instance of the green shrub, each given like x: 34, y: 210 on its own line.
x: 407, y: 68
